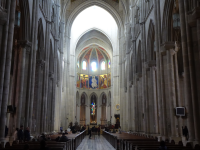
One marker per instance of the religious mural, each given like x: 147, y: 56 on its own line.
x: 109, y: 80
x: 93, y: 82
x: 103, y: 81
x: 84, y: 81
x: 78, y: 81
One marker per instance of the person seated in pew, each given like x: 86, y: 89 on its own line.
x: 82, y: 129
x: 20, y: 134
x: 63, y: 138
x: 43, y: 145
x: 58, y: 138
x: 42, y: 137
x: 27, y: 136
x: 66, y: 132
x: 162, y: 146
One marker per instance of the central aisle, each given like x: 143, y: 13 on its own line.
x: 99, y: 143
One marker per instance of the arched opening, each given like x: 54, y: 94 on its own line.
x: 103, y: 110
x: 93, y: 110
x: 82, y: 110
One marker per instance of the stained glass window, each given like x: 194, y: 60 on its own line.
x: 108, y: 63
x: 93, y: 107
x: 94, y: 66
x: 103, y: 65
x: 84, y: 65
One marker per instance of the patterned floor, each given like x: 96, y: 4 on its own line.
x: 97, y: 143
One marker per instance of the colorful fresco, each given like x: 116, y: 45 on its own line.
x: 84, y: 81
x: 100, y: 56
x: 78, y: 81
x: 87, y: 55
x: 109, y: 80
x: 93, y: 82
x: 103, y: 81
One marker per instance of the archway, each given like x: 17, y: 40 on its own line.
x: 83, y: 110
x: 93, y: 110
x: 103, y: 110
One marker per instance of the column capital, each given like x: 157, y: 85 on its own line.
x: 167, y: 46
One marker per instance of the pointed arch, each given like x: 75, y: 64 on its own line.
x: 40, y: 40
x: 167, y: 18
x: 139, y: 59
x: 25, y: 20
x: 93, y: 93
x: 151, y: 42
x: 87, y: 4
x: 100, y: 98
x: 86, y: 99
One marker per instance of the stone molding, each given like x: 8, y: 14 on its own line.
x: 193, y: 16
x: 167, y: 46
x: 3, y: 17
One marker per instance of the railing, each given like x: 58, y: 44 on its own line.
x: 110, y: 138
x: 78, y: 139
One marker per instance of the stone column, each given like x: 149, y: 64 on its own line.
x: 31, y: 78
x: 24, y: 46
x: 4, y: 23
x: 38, y: 97
x: 158, y: 62
x: 171, y: 88
x: 194, y: 62
x: 155, y: 98
x: 188, y: 96
x: 46, y: 72
x: 50, y: 101
x: 144, y: 94
x: 87, y: 114
x: 7, y: 70
x: 128, y: 97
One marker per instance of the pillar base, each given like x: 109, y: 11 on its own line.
x: 195, y: 143
x: 184, y: 140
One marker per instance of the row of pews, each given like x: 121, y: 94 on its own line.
x: 72, y: 144
x: 127, y: 141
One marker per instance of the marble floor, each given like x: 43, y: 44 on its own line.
x: 97, y: 143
